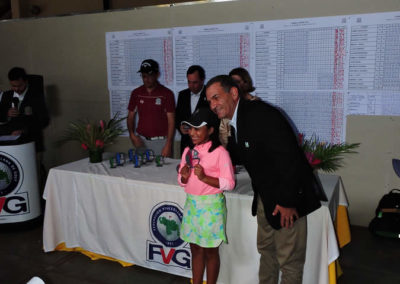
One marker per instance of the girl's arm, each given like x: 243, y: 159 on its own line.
x: 226, y: 172
x: 183, y: 179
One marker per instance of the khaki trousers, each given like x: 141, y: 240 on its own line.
x: 283, y: 249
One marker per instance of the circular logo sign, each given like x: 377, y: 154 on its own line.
x: 10, y: 174
x: 165, y: 222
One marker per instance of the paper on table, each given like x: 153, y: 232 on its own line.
x: 9, y: 137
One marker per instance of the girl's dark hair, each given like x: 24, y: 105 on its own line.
x: 214, y: 138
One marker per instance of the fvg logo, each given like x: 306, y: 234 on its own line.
x: 11, y: 176
x: 166, y: 247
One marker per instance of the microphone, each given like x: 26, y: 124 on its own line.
x: 15, y: 102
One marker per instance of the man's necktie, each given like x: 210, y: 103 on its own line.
x: 232, y: 147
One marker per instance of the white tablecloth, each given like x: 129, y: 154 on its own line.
x: 111, y: 212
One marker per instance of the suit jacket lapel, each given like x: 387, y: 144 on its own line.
x: 25, y: 101
x: 186, y: 103
x: 202, y: 98
x: 240, y: 121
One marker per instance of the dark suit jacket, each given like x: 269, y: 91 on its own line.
x: 279, y: 171
x: 31, y: 124
x: 184, y: 112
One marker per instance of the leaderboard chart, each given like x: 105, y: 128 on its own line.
x: 316, y: 70
x: 125, y: 52
x: 300, y: 56
x: 299, y: 67
x: 374, y: 65
x: 218, y: 49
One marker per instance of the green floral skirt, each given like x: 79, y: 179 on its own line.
x: 204, y: 220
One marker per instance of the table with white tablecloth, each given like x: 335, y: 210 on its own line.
x: 132, y: 215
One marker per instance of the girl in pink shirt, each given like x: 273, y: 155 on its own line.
x: 205, y: 171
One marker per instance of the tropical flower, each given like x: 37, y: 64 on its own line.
x: 102, y: 124
x: 99, y: 143
x: 325, y: 156
x: 94, y: 136
x: 312, y: 160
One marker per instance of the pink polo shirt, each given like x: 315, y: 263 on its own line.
x: 216, y: 164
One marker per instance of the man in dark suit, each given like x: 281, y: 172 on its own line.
x: 23, y: 109
x: 285, y: 188
x: 189, y: 100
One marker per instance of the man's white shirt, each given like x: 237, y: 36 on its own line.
x: 194, y: 99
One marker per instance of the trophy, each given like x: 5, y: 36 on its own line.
x: 192, y: 158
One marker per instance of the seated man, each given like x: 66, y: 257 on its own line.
x: 23, y: 109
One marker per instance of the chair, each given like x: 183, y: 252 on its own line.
x: 36, y: 82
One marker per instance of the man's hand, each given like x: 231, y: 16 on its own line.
x: 184, y: 129
x: 185, y: 173
x: 288, y: 215
x: 13, y: 112
x: 136, y: 140
x: 166, y: 151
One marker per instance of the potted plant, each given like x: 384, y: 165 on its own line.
x: 325, y: 156
x: 93, y: 137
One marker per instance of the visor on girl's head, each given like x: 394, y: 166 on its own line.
x: 201, y: 117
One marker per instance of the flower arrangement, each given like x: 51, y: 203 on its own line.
x: 92, y: 136
x: 325, y: 156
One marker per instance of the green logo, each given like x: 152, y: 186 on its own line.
x: 170, y: 225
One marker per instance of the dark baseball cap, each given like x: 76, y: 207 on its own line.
x: 149, y: 66
x: 202, y: 116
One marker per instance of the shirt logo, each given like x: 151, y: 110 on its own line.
x: 158, y: 101
x: 146, y: 64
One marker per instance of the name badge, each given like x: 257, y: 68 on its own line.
x: 158, y: 101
